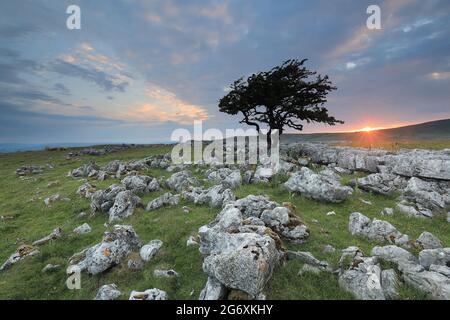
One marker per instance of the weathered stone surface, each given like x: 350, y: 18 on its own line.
x: 135, y: 262
x: 50, y: 267
x: 52, y: 199
x: 192, y: 241
x: 329, y: 249
x: 54, y: 235
x: 124, y: 205
x: 227, y: 177
x: 307, y: 258
x: 246, y: 261
x: 149, y: 250
x: 213, y: 290
x: 86, y: 170
x: 286, y: 224
x: 158, y: 273
x: 29, y: 170
x: 103, y: 200
x: 86, y: 190
x: 427, y: 196
x: 344, y: 157
x: 387, y: 212
x: 167, y: 199
x: 428, y: 240
x: 150, y: 294
x: 440, y: 257
x: 113, y: 166
x: 382, y: 183
x: 253, y: 206
x: 431, y: 281
x: 317, y: 186
x: 247, y: 177
x: 114, y: 248
x: 444, y: 270
x: 215, y: 196
x: 108, y: 292
x: 84, y: 228
x: 22, y: 252
x: 159, y: 161
x: 181, y: 180
x: 411, y: 210
x: 395, y: 254
x: 432, y: 164
x: 364, y: 278
x: 389, y: 284
x: 263, y: 174
x: 375, y: 229
x: 140, y: 184
x: 239, y: 256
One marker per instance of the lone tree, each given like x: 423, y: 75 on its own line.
x: 284, y: 96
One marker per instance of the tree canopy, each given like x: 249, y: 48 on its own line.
x: 285, y: 96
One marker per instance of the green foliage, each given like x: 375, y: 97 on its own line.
x: 284, y: 96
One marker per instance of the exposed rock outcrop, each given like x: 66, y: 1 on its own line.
x: 319, y: 187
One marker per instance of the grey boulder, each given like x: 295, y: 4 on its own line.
x: 108, y: 292
x: 114, y: 248
x: 316, y: 186
x: 124, y: 205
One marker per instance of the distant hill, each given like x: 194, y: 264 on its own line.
x: 433, y: 130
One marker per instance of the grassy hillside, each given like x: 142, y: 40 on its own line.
x: 29, y: 219
x: 432, y: 135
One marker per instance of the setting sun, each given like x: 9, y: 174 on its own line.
x: 369, y: 129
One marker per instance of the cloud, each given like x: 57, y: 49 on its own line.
x: 61, y: 88
x: 165, y: 106
x: 15, y: 31
x: 356, y: 63
x: 104, y: 80
x: 444, y: 75
x: 217, y: 12
x: 13, y: 66
x: 363, y: 38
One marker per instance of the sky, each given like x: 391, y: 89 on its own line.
x: 137, y: 70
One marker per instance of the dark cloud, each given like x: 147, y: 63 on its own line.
x: 62, y: 89
x: 15, y: 31
x: 104, y: 80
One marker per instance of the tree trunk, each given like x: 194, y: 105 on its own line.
x: 269, y: 140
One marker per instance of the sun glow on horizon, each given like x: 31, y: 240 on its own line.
x: 369, y: 129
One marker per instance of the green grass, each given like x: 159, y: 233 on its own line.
x: 23, y: 199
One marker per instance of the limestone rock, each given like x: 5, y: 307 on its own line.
x: 108, y: 292
x: 54, y: 235
x: 151, y: 294
x: 317, y: 186
x: 124, y: 205
x: 428, y: 240
x: 149, y: 250
x: 140, y: 184
x: 84, y: 228
x: 114, y: 248
x: 22, y: 252
x: 227, y: 177
x: 181, y: 180
x: 164, y: 200
x: 103, y: 200
x: 375, y: 229
x: 86, y: 190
